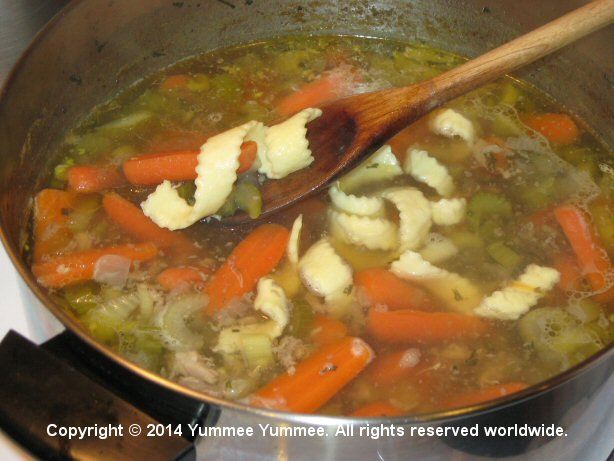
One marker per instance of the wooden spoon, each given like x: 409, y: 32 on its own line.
x: 352, y: 127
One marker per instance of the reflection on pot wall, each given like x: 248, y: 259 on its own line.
x: 579, y: 408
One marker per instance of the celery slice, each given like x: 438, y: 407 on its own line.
x: 302, y: 319
x: 557, y: 337
x: 504, y: 255
x: 257, y: 351
x: 245, y: 197
x: 486, y: 205
x: 82, y: 297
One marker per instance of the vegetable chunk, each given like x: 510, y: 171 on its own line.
x: 253, y: 258
x: 317, y: 379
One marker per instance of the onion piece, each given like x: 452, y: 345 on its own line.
x: 112, y: 270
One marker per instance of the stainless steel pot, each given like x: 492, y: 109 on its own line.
x: 94, y: 48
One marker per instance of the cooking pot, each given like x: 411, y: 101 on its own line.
x: 95, y: 48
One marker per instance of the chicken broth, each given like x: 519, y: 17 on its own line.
x: 467, y: 259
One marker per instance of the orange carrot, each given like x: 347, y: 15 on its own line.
x: 393, y: 366
x: 317, y: 379
x: 327, y: 330
x: 152, y: 169
x: 249, y: 150
x: 256, y: 256
x: 333, y: 85
x: 571, y: 277
x: 174, y: 277
x: 76, y: 267
x: 382, y: 287
x: 559, y: 129
x: 592, y: 257
x: 51, y: 232
x: 408, y: 326
x: 133, y: 221
x: 466, y: 399
x: 377, y: 410
x: 89, y: 179
x: 174, y: 82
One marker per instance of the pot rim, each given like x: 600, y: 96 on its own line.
x: 71, y: 323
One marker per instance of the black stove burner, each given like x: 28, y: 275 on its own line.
x: 67, y: 384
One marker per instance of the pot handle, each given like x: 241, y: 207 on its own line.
x: 47, y: 389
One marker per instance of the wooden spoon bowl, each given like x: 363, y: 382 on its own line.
x: 351, y: 128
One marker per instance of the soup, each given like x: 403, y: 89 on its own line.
x: 466, y: 259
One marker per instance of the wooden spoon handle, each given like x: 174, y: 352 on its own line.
x: 523, y: 50
x: 383, y: 113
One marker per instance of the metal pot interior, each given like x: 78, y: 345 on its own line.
x: 96, y: 48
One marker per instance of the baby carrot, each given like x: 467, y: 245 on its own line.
x: 571, y: 277
x: 333, y: 85
x: 377, y: 410
x: 317, y: 379
x: 173, y: 277
x: 559, y: 129
x: 469, y: 398
x: 393, y: 366
x: 249, y: 150
x: 51, y: 232
x: 592, y: 257
x: 76, y: 267
x: 417, y: 327
x: 382, y: 287
x: 89, y: 179
x: 152, y: 169
x: 253, y: 258
x: 131, y: 219
x: 327, y: 330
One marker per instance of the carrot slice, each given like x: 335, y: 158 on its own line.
x: 317, y: 379
x: 131, y: 219
x: 249, y: 150
x: 174, y: 277
x: 393, y: 366
x: 333, y: 85
x: 417, y: 327
x: 466, y: 399
x: 377, y: 410
x: 559, y: 129
x: 571, y: 277
x: 76, y: 267
x: 592, y: 257
x: 51, y: 232
x: 327, y: 330
x: 152, y: 169
x: 89, y: 179
x: 382, y: 287
x: 256, y: 256
x: 174, y: 82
